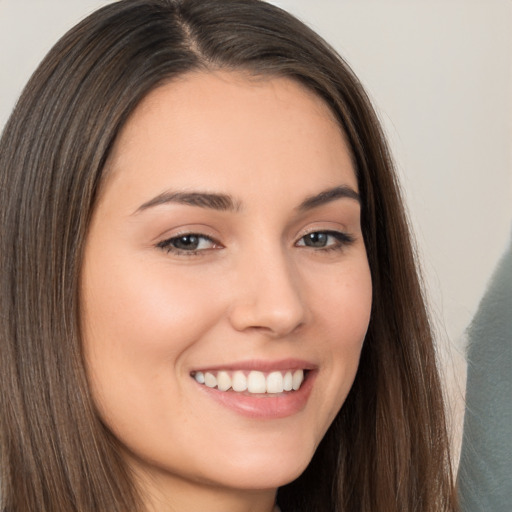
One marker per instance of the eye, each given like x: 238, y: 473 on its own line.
x: 189, y: 243
x: 325, y: 240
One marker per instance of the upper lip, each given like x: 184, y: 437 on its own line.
x: 261, y: 365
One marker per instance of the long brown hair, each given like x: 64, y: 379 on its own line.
x: 387, y: 450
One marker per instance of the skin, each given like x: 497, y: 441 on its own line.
x: 256, y: 292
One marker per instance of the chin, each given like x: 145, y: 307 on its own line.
x: 264, y: 471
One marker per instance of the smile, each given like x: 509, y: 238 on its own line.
x: 253, y: 382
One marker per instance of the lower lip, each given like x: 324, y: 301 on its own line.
x: 264, y: 406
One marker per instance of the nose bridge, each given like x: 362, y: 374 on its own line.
x: 268, y: 292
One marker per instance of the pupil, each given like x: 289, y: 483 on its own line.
x: 186, y: 242
x: 316, y: 239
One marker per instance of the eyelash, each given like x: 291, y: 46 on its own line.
x: 341, y: 241
x: 167, y: 245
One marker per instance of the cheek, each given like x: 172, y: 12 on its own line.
x: 139, y: 322
x: 343, y: 300
x: 343, y: 306
x: 142, y: 308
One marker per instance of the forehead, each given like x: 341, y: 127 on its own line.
x: 214, y: 127
x: 206, y: 90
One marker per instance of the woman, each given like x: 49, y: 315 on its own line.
x: 209, y: 296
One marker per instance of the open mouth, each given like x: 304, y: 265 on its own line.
x: 252, y: 382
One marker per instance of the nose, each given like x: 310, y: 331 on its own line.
x: 267, y: 296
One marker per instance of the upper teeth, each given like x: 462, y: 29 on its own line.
x: 253, y: 382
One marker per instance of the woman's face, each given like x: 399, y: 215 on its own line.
x: 225, y: 252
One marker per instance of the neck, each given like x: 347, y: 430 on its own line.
x: 162, y: 495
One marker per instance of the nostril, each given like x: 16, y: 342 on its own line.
x: 262, y: 318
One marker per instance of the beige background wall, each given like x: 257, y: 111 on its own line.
x: 440, y: 74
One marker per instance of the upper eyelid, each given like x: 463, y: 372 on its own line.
x: 331, y: 231
x: 320, y: 230
x: 338, y: 234
x: 170, y: 234
x: 299, y: 236
x: 167, y: 241
x: 166, y: 244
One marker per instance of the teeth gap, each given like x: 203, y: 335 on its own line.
x: 253, y: 382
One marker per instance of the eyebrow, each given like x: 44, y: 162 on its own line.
x: 225, y: 202
x: 221, y: 202
x: 326, y: 196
